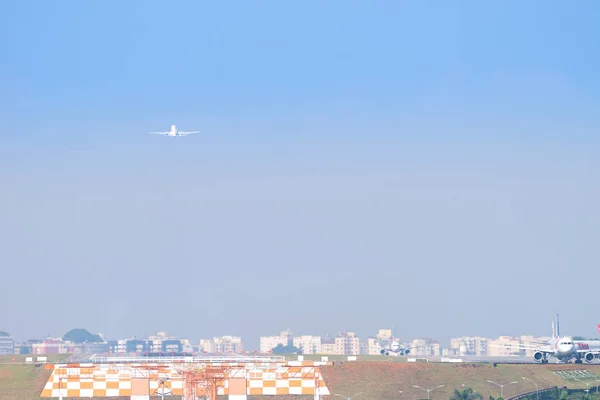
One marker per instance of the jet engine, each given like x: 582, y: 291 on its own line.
x: 538, y: 356
x: 384, y: 352
x: 589, y: 357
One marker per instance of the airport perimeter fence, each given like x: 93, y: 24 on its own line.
x: 532, y: 393
x: 546, y: 393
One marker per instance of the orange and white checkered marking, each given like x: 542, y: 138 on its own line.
x: 113, y: 380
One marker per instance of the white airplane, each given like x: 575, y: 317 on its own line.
x: 564, y: 349
x: 395, y: 348
x: 174, y: 132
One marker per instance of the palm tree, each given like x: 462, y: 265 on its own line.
x: 466, y: 394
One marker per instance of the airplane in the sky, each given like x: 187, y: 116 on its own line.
x: 175, y: 132
x: 564, y: 349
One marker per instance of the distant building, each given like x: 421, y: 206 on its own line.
x: 328, y: 345
x: 533, y: 342
x: 347, y: 343
x: 308, y: 344
x: 383, y: 339
x: 268, y: 343
x: 7, y: 343
x: 50, y: 346
x: 504, y: 346
x: 160, y: 343
x: 372, y: 346
x: 228, y: 344
x: 469, y: 346
x: 384, y: 335
x: 425, y: 347
x: 207, y: 346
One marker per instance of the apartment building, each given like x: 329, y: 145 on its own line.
x: 425, y: 347
x: 328, y: 346
x: 159, y: 343
x: 372, y: 346
x: 533, y: 341
x: 347, y: 343
x: 268, y: 343
x: 384, y: 335
x: 223, y: 344
x: 7, y: 343
x: 504, y: 346
x: 228, y: 344
x: 308, y: 344
x: 50, y: 346
x: 469, y: 346
x: 207, y: 346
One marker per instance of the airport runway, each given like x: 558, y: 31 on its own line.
x: 504, y: 360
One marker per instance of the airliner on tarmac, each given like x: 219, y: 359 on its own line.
x: 564, y: 349
x: 393, y: 346
x: 175, y: 132
x: 396, y: 348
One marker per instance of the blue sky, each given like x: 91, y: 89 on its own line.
x: 431, y: 165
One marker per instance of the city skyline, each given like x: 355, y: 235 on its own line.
x: 256, y: 346
x: 356, y: 160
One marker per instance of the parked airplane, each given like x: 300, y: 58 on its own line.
x: 564, y: 349
x: 175, y: 132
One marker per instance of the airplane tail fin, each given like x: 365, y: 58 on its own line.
x: 556, y: 329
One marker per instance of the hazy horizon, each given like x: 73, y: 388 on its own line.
x: 361, y: 165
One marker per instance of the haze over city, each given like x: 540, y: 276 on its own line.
x: 361, y: 165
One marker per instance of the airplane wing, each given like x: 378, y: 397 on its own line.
x: 543, y: 349
x: 188, y: 133
x: 159, y: 133
x: 584, y: 351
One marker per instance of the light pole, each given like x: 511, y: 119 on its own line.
x: 502, y: 386
x: 162, y: 392
x: 347, y: 398
x: 587, y: 390
x: 537, y: 390
x: 428, y: 390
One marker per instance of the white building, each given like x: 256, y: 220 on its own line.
x: 7, y: 343
x: 469, y: 346
x: 223, y: 344
x: 372, y: 346
x: 533, y: 341
x: 163, y: 343
x: 425, y: 347
x: 504, y: 346
x: 308, y: 344
x: 228, y: 344
x: 384, y: 335
x: 267, y: 343
x: 328, y: 345
x: 347, y: 343
x: 207, y: 346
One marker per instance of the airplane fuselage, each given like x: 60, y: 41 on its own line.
x: 564, y: 349
x: 174, y: 132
